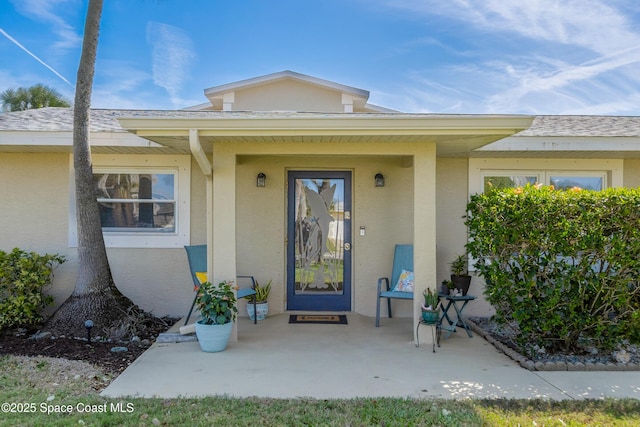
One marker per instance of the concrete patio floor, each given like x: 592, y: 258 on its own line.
x: 281, y: 360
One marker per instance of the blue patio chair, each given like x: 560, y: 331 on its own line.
x: 402, y: 261
x: 197, y: 256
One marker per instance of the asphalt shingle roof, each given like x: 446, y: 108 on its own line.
x: 583, y: 126
x: 61, y: 119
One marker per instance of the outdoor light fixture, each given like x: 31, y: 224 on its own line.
x: 261, y: 180
x: 88, y: 324
x: 379, y: 180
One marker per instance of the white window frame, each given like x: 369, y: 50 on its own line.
x: 582, y: 174
x: 544, y: 176
x: 610, y: 170
x: 509, y: 173
x: 179, y: 165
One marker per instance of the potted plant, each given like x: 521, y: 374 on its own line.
x: 217, y: 306
x: 447, y: 287
x: 459, y: 274
x: 262, y: 306
x: 430, y: 310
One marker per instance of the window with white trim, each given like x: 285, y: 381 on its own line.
x: 140, y: 201
x: 561, y: 180
x: 143, y: 200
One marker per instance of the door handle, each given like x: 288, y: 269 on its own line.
x: 347, y: 246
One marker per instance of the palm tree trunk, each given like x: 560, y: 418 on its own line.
x: 95, y: 295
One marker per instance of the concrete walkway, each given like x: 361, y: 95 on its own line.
x: 279, y: 360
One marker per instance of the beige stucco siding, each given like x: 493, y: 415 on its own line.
x: 385, y: 213
x: 288, y: 95
x: 451, y: 201
x: 35, y: 201
x: 632, y: 173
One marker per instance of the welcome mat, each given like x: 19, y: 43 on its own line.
x: 330, y: 319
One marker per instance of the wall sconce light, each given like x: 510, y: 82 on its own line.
x: 261, y: 180
x: 379, y: 180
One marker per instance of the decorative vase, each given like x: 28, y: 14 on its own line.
x: 213, y: 338
x: 262, y: 308
x: 461, y: 282
x: 430, y: 316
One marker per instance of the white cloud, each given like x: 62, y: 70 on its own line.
x: 592, y: 24
x: 565, y: 56
x: 48, y: 11
x: 173, y: 55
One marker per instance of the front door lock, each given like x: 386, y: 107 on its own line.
x: 347, y: 246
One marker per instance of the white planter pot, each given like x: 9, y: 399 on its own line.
x: 262, y: 309
x: 213, y: 338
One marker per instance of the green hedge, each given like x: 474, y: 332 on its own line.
x: 23, y: 278
x: 563, y: 266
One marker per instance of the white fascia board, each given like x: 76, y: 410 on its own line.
x: 199, y: 107
x: 379, y: 109
x: 571, y: 143
x: 65, y: 139
x: 269, y: 78
x: 330, y: 125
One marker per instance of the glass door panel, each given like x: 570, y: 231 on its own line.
x: 319, y: 257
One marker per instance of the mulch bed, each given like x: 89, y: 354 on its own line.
x: 19, y: 342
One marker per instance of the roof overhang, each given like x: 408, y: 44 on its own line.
x: 576, y: 147
x: 454, y: 135
x: 62, y: 142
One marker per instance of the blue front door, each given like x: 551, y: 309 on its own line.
x: 319, y: 241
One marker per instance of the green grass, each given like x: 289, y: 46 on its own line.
x: 39, y: 383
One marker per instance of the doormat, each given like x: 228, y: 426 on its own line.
x: 331, y: 319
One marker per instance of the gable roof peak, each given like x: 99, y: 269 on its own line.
x: 283, y: 75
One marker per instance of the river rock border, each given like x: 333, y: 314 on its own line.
x: 550, y: 366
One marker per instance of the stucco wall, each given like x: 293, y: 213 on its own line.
x: 385, y: 212
x: 451, y: 202
x: 35, y: 201
x: 288, y: 95
x: 632, y: 173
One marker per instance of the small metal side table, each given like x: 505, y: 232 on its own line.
x: 454, y: 301
x: 435, y: 332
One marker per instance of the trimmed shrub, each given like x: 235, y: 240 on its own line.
x: 23, y: 278
x: 561, y: 265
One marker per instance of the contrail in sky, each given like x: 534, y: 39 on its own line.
x: 35, y: 57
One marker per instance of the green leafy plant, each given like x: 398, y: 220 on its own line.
x: 448, y: 284
x: 217, y: 303
x: 24, y: 277
x: 262, y: 293
x: 562, y: 266
x: 431, y: 300
x: 459, y: 265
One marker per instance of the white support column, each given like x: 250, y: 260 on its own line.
x: 424, y: 229
x: 224, y: 217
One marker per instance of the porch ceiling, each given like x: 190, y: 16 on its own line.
x: 454, y: 135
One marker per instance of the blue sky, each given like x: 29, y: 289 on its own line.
x: 431, y: 56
